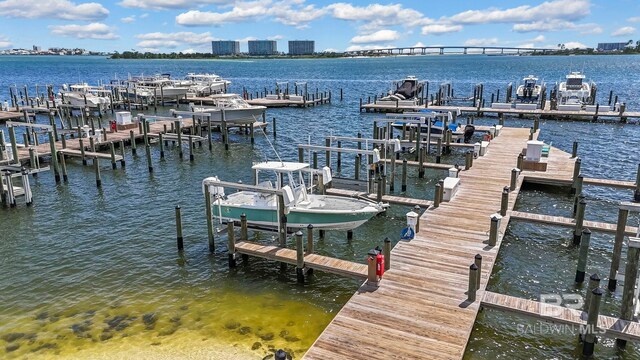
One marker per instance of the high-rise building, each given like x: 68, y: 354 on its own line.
x: 225, y: 47
x: 612, y: 46
x: 301, y: 47
x: 263, y: 47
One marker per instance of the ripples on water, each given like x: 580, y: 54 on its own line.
x: 94, y: 273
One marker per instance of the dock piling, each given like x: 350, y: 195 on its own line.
x: 473, y: 282
x: 122, y: 162
x: 577, y: 232
x: 504, y: 203
x: 594, y: 282
x: 387, y: 254
x: 404, y: 175
x: 515, y: 172
x: 636, y: 193
x: 576, y: 172
x: 582, y: 257
x: 84, y: 158
x: 244, y: 233
x: 231, y: 244
x: 478, y: 264
x: 592, y: 322
x: 54, y: 157
x: 63, y: 166
x: 372, y: 277
x: 574, y: 151
x: 493, y: 230
x: 630, y: 278
x: 113, y: 155
x: 309, y: 240
x: 96, y: 168
x: 436, y: 196
x: 623, y: 215
x: 209, y: 214
x: 179, y: 238
x: 132, y: 138
x: 299, y: 257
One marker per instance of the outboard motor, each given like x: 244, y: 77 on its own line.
x: 468, y: 133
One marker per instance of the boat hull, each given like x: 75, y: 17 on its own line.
x: 239, y: 116
x: 296, y: 219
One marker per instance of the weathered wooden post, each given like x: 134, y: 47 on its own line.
x: 299, y: 257
x: 282, y: 222
x: 578, y: 193
x: 96, y: 169
x: 439, y: 151
x: 231, y: 244
x: 594, y: 282
x: 582, y: 257
x: 636, y: 193
x: 574, y: 151
x: 244, y: 231
x: 191, y: 156
x: 493, y: 230
x: 404, y: 175
x: 372, y: 277
x: 504, y: 201
x: 132, y: 139
x: 309, y: 240
x: 357, y: 167
x: 576, y: 173
x: 209, y: 214
x: 54, y: 157
x: 478, y: 264
x: 577, y: 232
x: 63, y: 166
x: 123, y: 163
x: 436, y: 196
x: 630, y: 278
x: 179, y: 238
x: 161, y: 143
x: 515, y: 172
x: 623, y: 215
x: 592, y: 322
x: 473, y: 283
x: 468, y: 160
x: 387, y: 254
x: 274, y: 127
x: 113, y: 155
x: 177, y: 125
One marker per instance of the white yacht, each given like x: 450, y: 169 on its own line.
x: 82, y: 95
x: 205, y: 84
x: 236, y: 109
x: 575, y: 90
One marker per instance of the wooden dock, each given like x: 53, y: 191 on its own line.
x: 610, y: 326
x: 390, y: 199
x: 543, y: 113
x: 10, y: 115
x: 286, y: 102
x: 569, y: 222
x: 312, y: 261
x: 420, y: 309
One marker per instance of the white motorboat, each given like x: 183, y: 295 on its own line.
x: 407, y: 93
x: 236, y: 109
x: 204, y: 84
x: 575, y: 90
x: 301, y: 208
x: 161, y: 86
x: 84, y: 95
x: 530, y: 90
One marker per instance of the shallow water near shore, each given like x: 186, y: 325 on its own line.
x: 94, y: 273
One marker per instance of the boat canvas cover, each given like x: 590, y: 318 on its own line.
x: 407, y: 89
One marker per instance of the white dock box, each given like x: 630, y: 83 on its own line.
x: 534, y: 150
x: 295, y: 98
x: 569, y: 107
x: 123, y: 118
x: 502, y: 106
x: 527, y: 106
x: 498, y: 129
x: 483, y: 147
x: 272, y: 97
x: 450, y: 188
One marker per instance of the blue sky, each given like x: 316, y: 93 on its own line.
x: 190, y: 25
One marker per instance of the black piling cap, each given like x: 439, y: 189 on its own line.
x: 473, y: 267
x: 386, y: 240
x: 478, y: 257
x: 310, y: 227
x: 597, y: 292
x: 587, y: 231
x: 594, y: 277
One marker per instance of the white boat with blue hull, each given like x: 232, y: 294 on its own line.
x: 301, y: 208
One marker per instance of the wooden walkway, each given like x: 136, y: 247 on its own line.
x: 395, y: 200
x: 312, y: 261
x: 612, y: 327
x: 420, y: 309
x: 9, y: 115
x: 89, y: 154
x: 569, y: 222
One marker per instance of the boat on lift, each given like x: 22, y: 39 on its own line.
x: 530, y: 89
x: 236, y: 109
x: 302, y: 208
x: 85, y: 95
x: 204, y: 84
x: 575, y: 90
x: 407, y: 93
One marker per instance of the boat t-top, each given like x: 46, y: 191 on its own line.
x: 84, y: 94
x: 530, y: 90
x: 301, y: 207
x: 575, y: 90
x: 236, y: 109
x: 406, y: 93
x: 204, y: 84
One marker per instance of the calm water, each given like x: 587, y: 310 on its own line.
x: 95, y: 273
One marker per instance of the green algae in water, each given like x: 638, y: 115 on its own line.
x: 250, y: 327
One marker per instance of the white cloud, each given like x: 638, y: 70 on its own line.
x: 5, y: 43
x: 151, y: 50
x: 557, y: 25
x: 635, y: 19
x: 98, y: 31
x: 144, y: 16
x: 52, y: 9
x: 247, y: 39
x: 624, y: 31
x: 527, y: 45
x: 170, y: 4
x: 574, y: 45
x: 368, y: 47
x: 440, y: 29
x: 376, y: 16
x: 330, y: 50
x: 291, y: 13
x: 556, y: 9
x: 173, y: 40
x: 419, y: 44
x: 275, y: 37
x: 481, y: 42
x: 538, y: 39
x: 376, y: 37
x: 128, y: 19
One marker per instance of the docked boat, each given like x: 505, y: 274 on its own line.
x: 302, y: 208
x: 575, y: 90
x: 204, y: 84
x: 161, y: 86
x: 530, y: 90
x: 236, y: 109
x: 429, y: 120
x: 82, y: 95
x: 407, y: 93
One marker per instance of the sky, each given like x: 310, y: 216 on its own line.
x: 191, y: 25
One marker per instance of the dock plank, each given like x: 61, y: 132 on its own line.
x: 569, y: 222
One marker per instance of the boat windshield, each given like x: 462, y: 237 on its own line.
x: 529, y: 83
x: 574, y: 83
